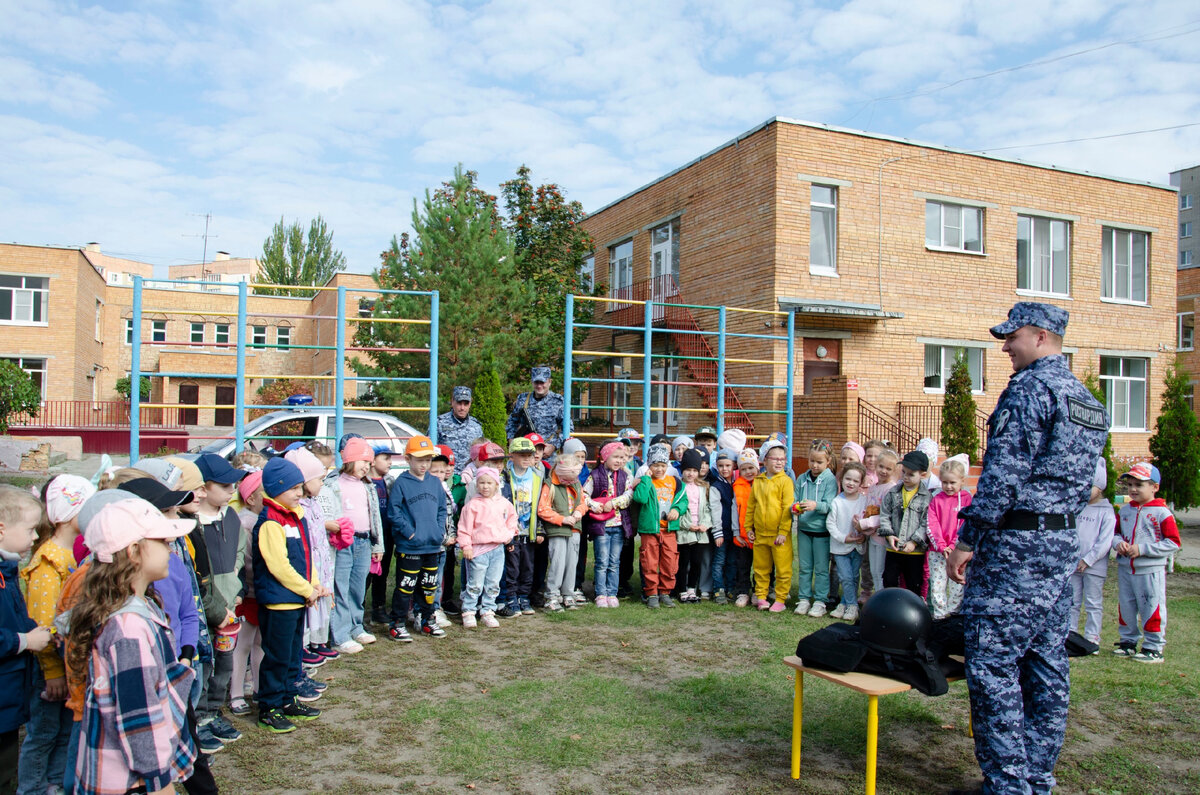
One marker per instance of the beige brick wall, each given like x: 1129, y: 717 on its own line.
x: 745, y: 242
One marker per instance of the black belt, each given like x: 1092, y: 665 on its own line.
x: 362, y: 535
x: 1028, y: 520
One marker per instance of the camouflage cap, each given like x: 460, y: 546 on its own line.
x: 1031, y: 313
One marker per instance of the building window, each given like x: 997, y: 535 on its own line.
x: 939, y: 360
x: 36, y: 369
x: 1123, y: 275
x: 158, y: 331
x: 1189, y: 396
x: 1185, y: 337
x: 620, y: 393
x: 99, y: 308
x: 620, y: 272
x: 953, y: 227
x: 1185, y: 201
x: 24, y: 299
x: 664, y: 259
x: 587, y: 273
x: 1124, y: 382
x: 1042, y: 255
x: 283, y: 337
x: 197, y: 332
x: 1185, y: 229
x: 258, y: 336
x: 822, y: 242
x: 128, y: 331
x: 222, y: 333
x: 1185, y: 258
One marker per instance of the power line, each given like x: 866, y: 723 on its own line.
x: 1089, y: 138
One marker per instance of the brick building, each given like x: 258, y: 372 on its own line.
x: 69, y: 311
x: 1188, y: 283
x: 895, y: 257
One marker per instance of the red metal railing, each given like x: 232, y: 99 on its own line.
x: 95, y: 414
x: 662, y: 289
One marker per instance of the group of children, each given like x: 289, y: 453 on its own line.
x: 182, y: 588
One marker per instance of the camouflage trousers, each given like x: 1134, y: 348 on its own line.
x: 1016, y: 609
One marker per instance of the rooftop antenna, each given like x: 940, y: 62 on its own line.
x: 204, y: 259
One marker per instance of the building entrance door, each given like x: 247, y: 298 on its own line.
x: 189, y: 394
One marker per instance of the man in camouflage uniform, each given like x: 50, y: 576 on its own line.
x: 457, y: 428
x: 1020, y: 542
x: 545, y: 410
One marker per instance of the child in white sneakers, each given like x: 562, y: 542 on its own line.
x: 1096, y: 525
x: 488, y: 522
x: 845, y: 543
x: 945, y: 595
x: 1148, y: 535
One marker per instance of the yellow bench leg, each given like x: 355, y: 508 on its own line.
x: 872, y: 740
x: 797, y: 722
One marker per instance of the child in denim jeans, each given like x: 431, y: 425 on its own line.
x: 488, y: 522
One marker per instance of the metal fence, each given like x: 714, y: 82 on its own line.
x: 95, y: 414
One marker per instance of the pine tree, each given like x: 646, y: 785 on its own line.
x: 460, y: 248
x: 288, y: 257
x: 489, y: 406
x: 1092, y: 382
x: 959, y: 432
x: 1175, y: 444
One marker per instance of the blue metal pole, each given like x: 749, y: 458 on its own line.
x: 339, y: 364
x: 647, y: 350
x: 791, y: 374
x: 567, y: 363
x: 433, y: 363
x: 721, y: 370
x: 135, y: 375
x: 239, y: 390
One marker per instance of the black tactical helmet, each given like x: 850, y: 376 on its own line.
x: 895, y: 619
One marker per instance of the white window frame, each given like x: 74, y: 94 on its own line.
x: 258, y: 336
x: 620, y: 272
x: 34, y: 365
x: 664, y: 257
x: 158, y: 331
x: 819, y: 210
x: 1185, y: 201
x: 1114, y: 240
x: 621, y: 394
x: 1040, y: 271
x: 587, y: 273
x: 1185, y: 331
x: 1185, y: 229
x: 283, y: 337
x: 946, y: 354
x: 99, y: 311
x: 1118, y: 391
x: 128, y: 335
x: 949, y: 211
x: 196, y: 331
x: 1185, y: 258
x: 22, y: 298
x: 221, y: 333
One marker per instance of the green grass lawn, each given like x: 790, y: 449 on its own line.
x: 692, y: 700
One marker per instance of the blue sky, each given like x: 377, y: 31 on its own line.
x: 120, y: 122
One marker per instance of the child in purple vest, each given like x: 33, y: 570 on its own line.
x: 608, y: 491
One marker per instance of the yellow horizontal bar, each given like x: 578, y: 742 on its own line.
x: 752, y: 361
x: 386, y: 320
x: 189, y: 312
x: 755, y: 311
x: 606, y: 300
x: 610, y: 353
x: 389, y: 408
x: 184, y: 406
x: 597, y: 435
x: 293, y: 377
x: 293, y: 287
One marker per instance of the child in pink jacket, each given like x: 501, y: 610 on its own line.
x: 945, y: 595
x: 488, y: 522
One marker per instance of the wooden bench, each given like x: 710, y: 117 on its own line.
x: 870, y: 685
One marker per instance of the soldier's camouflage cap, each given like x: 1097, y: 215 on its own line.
x: 1031, y: 313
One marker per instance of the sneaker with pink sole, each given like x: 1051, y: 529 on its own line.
x: 468, y: 620
x: 614, y: 601
x: 489, y: 619
x: 741, y: 601
x: 763, y: 604
x: 601, y: 601
x: 777, y: 607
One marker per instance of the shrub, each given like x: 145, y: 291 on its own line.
x: 18, y: 394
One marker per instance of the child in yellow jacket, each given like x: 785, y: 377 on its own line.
x: 769, y: 525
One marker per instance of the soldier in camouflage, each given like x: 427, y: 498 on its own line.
x: 1020, y: 543
x: 545, y: 410
x: 457, y: 428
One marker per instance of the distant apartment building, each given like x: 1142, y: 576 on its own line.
x: 69, y: 319
x: 895, y: 258
x: 1188, y: 182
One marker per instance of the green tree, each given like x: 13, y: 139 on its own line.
x: 959, y: 432
x: 460, y: 248
x: 18, y: 394
x: 124, y: 387
x: 489, y: 406
x: 551, y: 245
x: 1092, y: 382
x: 1175, y: 444
x: 290, y: 257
